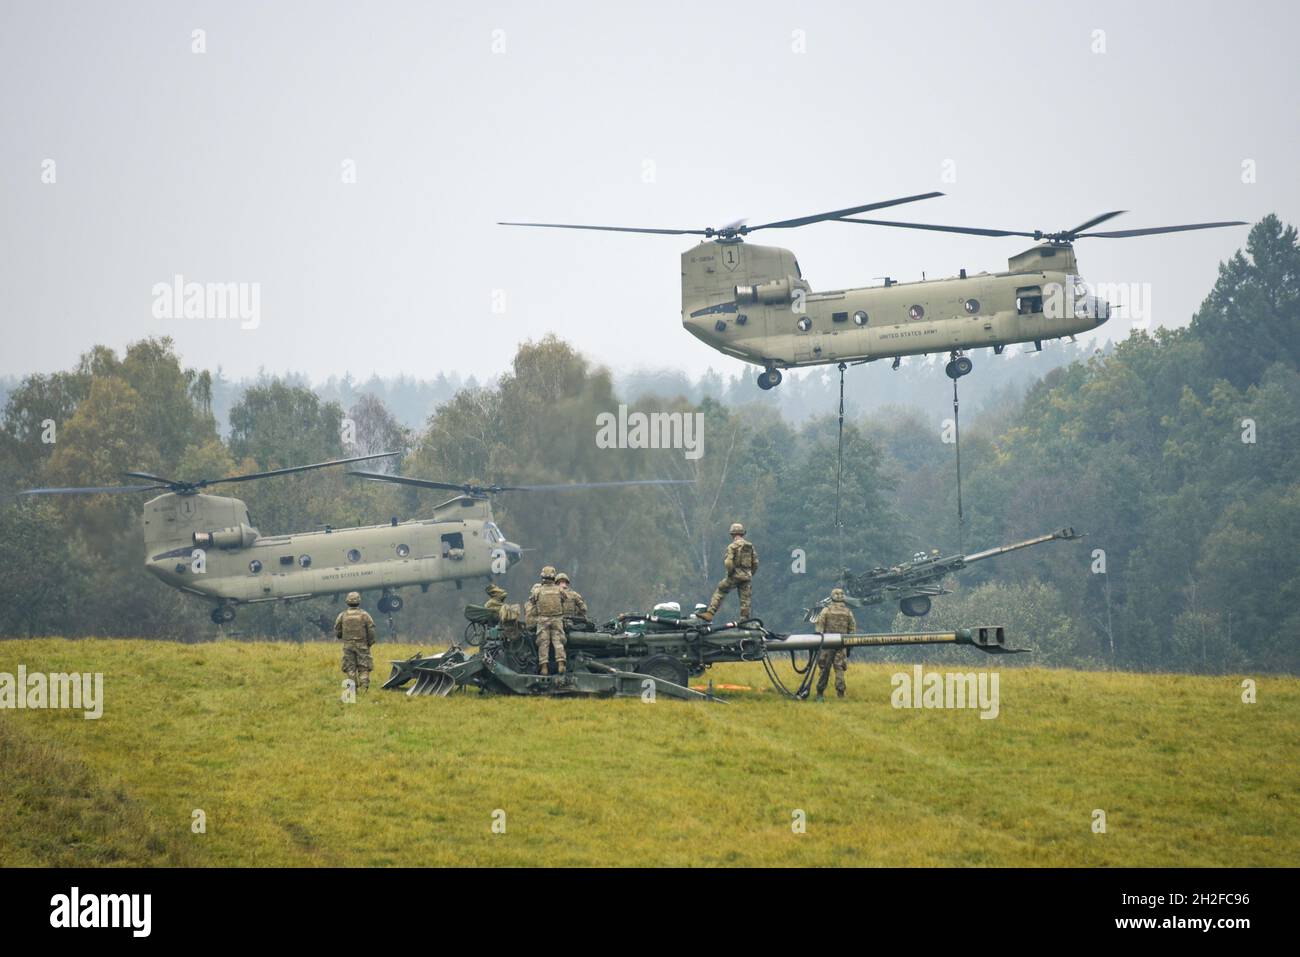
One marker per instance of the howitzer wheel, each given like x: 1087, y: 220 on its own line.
x: 915, y: 606
x: 665, y: 668
x: 475, y: 633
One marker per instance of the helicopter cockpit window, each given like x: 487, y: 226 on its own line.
x: 798, y: 273
x: 1029, y: 300
x: 493, y: 533
x: 304, y: 561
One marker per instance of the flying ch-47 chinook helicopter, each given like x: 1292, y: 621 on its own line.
x: 752, y: 302
x: 207, y: 545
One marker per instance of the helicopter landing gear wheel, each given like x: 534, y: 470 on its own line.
x: 769, y: 379
x: 390, y: 603
x: 917, y: 606
x: 665, y: 668
x: 958, y: 366
x: 223, y: 614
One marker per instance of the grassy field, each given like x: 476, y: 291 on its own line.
x: 257, y: 738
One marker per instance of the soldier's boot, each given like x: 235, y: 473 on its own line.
x: 839, y: 692
x: 705, y: 616
x: 559, y: 667
x: 821, y: 696
x: 544, y: 669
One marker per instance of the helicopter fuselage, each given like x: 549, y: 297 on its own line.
x: 752, y: 302
x: 206, y: 545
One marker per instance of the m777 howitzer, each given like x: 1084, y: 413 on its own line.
x: 913, y: 583
x: 634, y: 653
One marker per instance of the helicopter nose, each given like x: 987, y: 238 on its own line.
x: 513, y: 552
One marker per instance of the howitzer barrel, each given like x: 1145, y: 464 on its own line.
x: 987, y: 638
x: 1062, y: 534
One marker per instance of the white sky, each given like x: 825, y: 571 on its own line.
x: 225, y: 166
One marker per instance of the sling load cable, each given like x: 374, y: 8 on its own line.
x: 956, y: 439
x: 839, y: 476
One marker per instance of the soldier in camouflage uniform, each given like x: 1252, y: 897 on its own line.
x: 496, y: 598
x: 547, y: 606
x: 576, y: 601
x: 741, y: 562
x: 834, y: 619
x: 356, y: 629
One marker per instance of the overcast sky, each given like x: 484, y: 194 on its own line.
x: 228, y: 165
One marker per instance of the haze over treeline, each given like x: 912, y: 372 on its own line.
x: 1176, y: 453
x: 806, y: 394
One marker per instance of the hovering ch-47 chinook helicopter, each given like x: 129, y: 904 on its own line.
x: 206, y: 545
x: 752, y: 302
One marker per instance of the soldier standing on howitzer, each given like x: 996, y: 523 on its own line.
x: 741, y: 562
x: 834, y: 619
x: 547, y: 606
x: 576, y: 601
x: 356, y: 629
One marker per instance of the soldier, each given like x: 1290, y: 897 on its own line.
x: 834, y: 619
x: 356, y: 629
x: 496, y: 598
x: 576, y: 601
x: 741, y: 562
x: 546, y: 608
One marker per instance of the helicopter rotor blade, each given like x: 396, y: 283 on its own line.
x: 1151, y: 231
x: 408, y: 480
x: 470, y: 489
x: 837, y: 213
x: 147, y: 476
x: 737, y: 227
x: 292, y: 469
x: 102, y: 490
x: 564, y: 487
x: 969, y: 230
x: 1095, y: 221
x: 615, y: 229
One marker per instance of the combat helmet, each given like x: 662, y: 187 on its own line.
x: 737, y: 528
x: 561, y: 577
x: 495, y: 591
x: 354, y: 598
x: 837, y: 594
x: 548, y: 573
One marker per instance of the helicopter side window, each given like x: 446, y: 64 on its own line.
x: 453, y: 546
x: 1029, y: 300
x: 354, y: 555
x: 304, y: 561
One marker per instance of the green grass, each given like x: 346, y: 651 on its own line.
x: 256, y: 736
